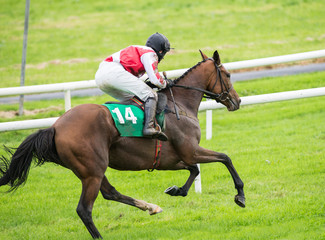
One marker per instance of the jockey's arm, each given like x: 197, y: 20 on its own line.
x: 150, y: 63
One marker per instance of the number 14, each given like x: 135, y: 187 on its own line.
x: 128, y: 115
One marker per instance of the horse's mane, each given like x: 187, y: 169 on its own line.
x: 189, y: 70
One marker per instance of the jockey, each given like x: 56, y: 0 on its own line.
x: 118, y: 76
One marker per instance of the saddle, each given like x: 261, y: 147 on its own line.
x: 128, y: 115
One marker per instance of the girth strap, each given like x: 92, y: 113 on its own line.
x: 157, y: 156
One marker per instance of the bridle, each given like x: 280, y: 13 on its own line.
x: 219, y: 97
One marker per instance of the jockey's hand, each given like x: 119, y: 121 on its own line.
x: 169, y: 83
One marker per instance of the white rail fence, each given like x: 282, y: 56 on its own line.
x: 208, y: 105
x: 69, y: 86
x: 204, y: 106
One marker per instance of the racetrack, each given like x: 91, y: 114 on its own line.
x: 277, y: 148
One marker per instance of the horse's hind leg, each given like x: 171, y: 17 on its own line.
x: 110, y: 193
x: 90, y: 189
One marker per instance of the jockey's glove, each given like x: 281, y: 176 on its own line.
x: 169, y: 82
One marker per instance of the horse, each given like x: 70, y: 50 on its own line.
x: 86, y: 141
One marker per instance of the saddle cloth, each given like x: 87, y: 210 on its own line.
x: 129, y: 119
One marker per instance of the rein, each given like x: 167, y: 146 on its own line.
x: 219, y: 97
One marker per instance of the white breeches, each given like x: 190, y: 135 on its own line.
x: 113, y: 79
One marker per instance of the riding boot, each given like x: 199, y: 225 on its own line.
x: 149, y: 130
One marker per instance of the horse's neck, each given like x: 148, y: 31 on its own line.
x: 187, y: 98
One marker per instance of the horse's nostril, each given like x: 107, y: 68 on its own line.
x: 239, y: 101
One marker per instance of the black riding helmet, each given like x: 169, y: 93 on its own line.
x: 158, y: 42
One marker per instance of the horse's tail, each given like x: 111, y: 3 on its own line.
x: 39, y: 145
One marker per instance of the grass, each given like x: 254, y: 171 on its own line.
x: 277, y: 148
x: 67, y: 39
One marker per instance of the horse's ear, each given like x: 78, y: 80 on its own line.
x: 204, y: 57
x: 216, y: 57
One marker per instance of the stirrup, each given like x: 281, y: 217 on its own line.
x: 161, y: 136
x: 157, y: 135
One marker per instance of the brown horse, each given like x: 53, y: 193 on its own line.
x: 86, y: 141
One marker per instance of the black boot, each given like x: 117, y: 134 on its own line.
x: 149, y: 129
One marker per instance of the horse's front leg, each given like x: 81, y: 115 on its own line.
x: 182, y: 191
x: 202, y: 155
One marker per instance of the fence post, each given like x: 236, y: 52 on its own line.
x: 23, y: 59
x: 67, y: 100
x: 208, y: 124
x: 208, y: 135
x: 197, y: 181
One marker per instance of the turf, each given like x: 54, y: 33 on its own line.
x: 277, y: 148
x: 68, y: 39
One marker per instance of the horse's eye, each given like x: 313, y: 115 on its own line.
x: 228, y: 75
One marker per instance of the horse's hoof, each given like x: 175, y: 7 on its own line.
x: 157, y: 210
x: 240, y: 200
x: 172, y: 191
x: 176, y: 191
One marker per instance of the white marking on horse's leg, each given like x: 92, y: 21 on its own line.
x: 152, y: 208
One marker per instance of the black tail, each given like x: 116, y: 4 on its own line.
x: 40, y: 145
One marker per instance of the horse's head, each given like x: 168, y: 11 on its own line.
x: 220, y: 84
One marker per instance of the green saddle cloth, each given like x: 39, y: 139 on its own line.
x: 129, y: 119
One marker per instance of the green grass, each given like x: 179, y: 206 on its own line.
x: 67, y: 39
x: 277, y: 148
x: 284, y: 196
